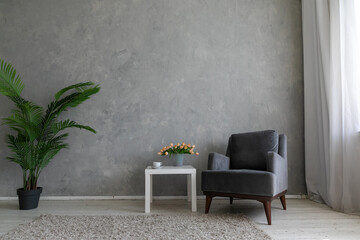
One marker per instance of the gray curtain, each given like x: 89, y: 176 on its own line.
x: 331, y: 91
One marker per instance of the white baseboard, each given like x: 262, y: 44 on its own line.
x: 65, y: 198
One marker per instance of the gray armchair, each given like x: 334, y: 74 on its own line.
x: 255, y: 167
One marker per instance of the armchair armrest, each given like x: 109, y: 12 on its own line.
x: 218, y: 162
x: 278, y: 165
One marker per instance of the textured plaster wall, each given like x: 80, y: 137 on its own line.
x: 189, y: 70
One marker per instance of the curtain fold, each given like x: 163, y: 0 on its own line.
x: 332, y: 97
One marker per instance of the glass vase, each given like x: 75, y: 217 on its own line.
x: 179, y: 158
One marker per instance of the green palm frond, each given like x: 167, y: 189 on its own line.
x: 32, y: 113
x: 59, y: 126
x: 48, y: 150
x: 18, y: 100
x: 15, y: 124
x: 29, y: 110
x: 79, y: 87
x: 58, y: 139
x: 73, y: 100
x: 10, y: 83
x: 25, y: 120
x: 21, y: 152
x: 56, y: 107
x: 49, y: 155
x: 48, y: 119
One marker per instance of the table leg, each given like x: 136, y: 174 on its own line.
x: 151, y: 188
x: 193, y: 192
x: 147, y: 193
x: 189, y: 187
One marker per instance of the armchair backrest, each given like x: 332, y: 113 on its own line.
x: 249, y: 150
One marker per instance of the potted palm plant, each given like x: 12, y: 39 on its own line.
x: 37, y: 134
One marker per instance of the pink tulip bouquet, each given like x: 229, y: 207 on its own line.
x: 177, y: 149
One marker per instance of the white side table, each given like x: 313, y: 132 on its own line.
x: 189, y: 170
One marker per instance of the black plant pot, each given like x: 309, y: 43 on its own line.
x: 29, y: 199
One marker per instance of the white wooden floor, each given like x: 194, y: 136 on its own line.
x: 303, y: 219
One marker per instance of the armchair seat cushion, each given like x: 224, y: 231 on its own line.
x: 240, y: 181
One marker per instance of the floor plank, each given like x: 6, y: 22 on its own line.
x: 304, y: 219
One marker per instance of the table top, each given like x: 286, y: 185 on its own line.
x: 171, y: 169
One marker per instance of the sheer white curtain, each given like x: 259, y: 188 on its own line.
x: 331, y: 41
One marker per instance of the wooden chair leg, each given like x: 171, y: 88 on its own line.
x: 267, y: 207
x: 283, y: 201
x: 231, y: 200
x: 208, y: 203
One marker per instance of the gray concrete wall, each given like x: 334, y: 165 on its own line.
x: 189, y: 70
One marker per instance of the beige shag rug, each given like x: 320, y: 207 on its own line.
x: 196, y: 226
